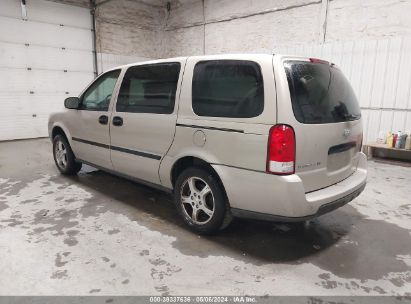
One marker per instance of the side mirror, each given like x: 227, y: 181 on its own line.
x: 72, y: 102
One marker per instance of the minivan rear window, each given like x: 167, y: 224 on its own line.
x: 320, y: 93
x: 228, y: 88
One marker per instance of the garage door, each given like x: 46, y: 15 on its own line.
x: 44, y: 58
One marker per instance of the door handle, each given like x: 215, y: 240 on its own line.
x: 117, y: 121
x: 103, y: 119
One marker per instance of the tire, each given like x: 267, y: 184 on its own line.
x: 64, y: 157
x: 204, y: 210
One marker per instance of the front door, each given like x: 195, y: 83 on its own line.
x: 90, y: 126
x: 144, y: 118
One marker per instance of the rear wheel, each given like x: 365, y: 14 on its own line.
x: 64, y: 156
x: 201, y: 201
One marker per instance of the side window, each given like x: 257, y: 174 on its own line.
x: 228, y: 88
x: 98, y: 95
x: 149, y: 89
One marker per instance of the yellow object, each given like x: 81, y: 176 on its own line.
x: 390, y: 140
x: 408, y: 142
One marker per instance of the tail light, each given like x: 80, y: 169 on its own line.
x: 281, y: 150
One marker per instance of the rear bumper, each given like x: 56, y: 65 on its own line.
x: 328, y: 207
x: 282, y: 198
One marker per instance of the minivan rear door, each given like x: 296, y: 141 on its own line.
x: 144, y: 118
x: 319, y: 103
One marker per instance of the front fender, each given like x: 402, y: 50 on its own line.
x: 54, y: 124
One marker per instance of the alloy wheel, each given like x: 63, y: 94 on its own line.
x: 60, y: 153
x: 197, y: 200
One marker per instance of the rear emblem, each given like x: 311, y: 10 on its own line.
x: 346, y: 132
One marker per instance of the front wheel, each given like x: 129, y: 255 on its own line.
x: 64, y: 156
x: 201, y: 201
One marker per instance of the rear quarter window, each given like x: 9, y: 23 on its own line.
x: 320, y: 93
x: 228, y: 88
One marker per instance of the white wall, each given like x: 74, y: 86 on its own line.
x: 369, y: 39
x: 128, y: 31
x: 355, y: 19
x: 217, y: 26
x: 225, y: 26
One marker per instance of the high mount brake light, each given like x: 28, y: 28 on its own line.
x: 316, y: 60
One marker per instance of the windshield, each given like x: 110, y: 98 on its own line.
x: 320, y: 93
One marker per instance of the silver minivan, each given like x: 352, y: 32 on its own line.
x: 268, y: 137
